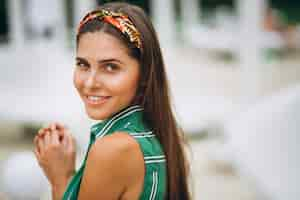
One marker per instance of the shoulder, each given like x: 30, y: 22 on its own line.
x: 113, y: 157
x: 116, y: 146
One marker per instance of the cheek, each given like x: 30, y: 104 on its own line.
x: 124, y: 84
x: 77, y: 80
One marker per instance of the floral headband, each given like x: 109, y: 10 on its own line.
x: 118, y: 20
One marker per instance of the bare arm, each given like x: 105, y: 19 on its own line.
x: 114, y: 165
x: 58, y: 189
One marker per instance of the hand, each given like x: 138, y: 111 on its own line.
x: 55, y: 152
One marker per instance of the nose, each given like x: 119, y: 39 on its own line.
x: 93, y: 80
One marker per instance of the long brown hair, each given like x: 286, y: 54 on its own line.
x: 153, y: 94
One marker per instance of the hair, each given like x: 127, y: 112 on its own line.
x: 153, y: 93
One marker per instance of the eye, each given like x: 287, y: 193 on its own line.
x: 111, y: 67
x: 81, y: 65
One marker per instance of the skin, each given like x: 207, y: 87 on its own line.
x: 55, y: 153
x: 111, y: 73
x: 103, y: 68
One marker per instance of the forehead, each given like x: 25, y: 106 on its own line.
x: 100, y: 45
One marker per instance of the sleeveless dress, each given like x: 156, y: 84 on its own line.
x: 130, y: 120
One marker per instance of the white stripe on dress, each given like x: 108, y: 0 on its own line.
x: 143, y: 136
x: 124, y: 111
x: 155, y: 161
x: 116, y: 116
x: 154, y: 185
x: 113, y: 121
x: 155, y: 191
x: 153, y: 157
x: 140, y: 133
x: 116, y: 120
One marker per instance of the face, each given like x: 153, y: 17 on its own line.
x: 105, y: 76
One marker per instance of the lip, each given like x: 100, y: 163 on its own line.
x: 98, y: 102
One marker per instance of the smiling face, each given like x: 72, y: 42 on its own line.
x: 106, y: 77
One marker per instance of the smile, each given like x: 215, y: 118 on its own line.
x: 96, y: 100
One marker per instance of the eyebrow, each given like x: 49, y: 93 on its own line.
x: 101, y: 61
x: 81, y: 59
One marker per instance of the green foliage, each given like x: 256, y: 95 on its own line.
x: 212, y: 4
x: 289, y: 9
x: 3, y: 18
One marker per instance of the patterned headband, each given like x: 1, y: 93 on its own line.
x: 118, y: 20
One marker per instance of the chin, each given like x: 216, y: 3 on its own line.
x: 104, y: 111
x: 97, y: 114
x: 94, y: 117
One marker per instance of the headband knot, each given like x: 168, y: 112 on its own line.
x: 118, y: 20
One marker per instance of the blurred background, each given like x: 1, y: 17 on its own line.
x: 234, y: 70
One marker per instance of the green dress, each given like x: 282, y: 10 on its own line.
x: 130, y: 120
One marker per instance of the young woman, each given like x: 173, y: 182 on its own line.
x: 136, y: 151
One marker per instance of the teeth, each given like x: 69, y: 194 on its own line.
x: 94, y: 98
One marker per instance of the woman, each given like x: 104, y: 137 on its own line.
x: 137, y: 151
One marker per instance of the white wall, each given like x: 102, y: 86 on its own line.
x: 265, y: 142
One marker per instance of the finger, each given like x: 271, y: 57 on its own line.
x: 50, y: 137
x: 62, y: 130
x: 60, y: 126
x: 40, y: 146
x: 61, y: 134
x: 35, y: 140
x: 47, y: 138
x: 53, y: 126
x: 64, y: 141
x: 56, y: 126
x: 71, y: 143
x: 42, y: 132
x: 55, y: 138
x: 37, y: 154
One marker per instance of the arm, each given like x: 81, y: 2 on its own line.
x: 115, y: 163
x: 58, y: 189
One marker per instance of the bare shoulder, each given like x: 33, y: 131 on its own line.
x: 118, y: 160
x: 115, y: 145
